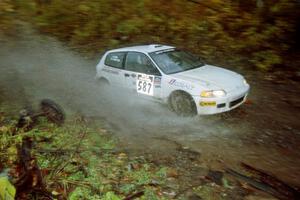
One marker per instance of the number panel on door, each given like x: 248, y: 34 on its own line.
x: 144, y: 84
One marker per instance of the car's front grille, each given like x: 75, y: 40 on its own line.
x: 235, y: 102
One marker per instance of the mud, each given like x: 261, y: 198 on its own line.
x: 265, y: 132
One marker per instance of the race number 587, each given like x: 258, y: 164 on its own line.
x: 144, y: 84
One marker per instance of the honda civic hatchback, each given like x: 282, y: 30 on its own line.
x: 174, y: 77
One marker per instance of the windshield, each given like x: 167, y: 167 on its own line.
x: 174, y: 61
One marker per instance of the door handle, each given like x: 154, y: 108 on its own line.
x: 133, y: 75
x: 126, y: 75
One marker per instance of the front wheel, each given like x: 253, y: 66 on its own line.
x: 182, y: 104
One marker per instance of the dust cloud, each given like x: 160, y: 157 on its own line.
x: 34, y: 67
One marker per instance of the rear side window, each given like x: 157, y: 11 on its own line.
x: 115, y: 59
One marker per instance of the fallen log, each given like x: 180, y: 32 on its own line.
x: 273, y: 181
x: 255, y: 183
x: 30, y: 174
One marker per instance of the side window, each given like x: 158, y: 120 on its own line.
x: 115, y: 59
x: 139, y: 62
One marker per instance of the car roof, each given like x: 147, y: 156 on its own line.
x: 144, y: 48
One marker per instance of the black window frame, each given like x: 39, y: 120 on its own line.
x: 123, y: 60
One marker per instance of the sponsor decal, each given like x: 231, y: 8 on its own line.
x: 157, y: 82
x: 207, y: 103
x: 110, y: 71
x: 172, y: 81
x: 181, y: 84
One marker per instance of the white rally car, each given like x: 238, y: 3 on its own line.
x: 175, y: 77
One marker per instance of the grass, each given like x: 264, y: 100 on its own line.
x: 80, y: 162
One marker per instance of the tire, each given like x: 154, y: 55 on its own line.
x: 52, y: 111
x: 182, y: 104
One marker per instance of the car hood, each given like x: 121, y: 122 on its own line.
x: 212, y: 77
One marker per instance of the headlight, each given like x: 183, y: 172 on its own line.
x: 213, y: 93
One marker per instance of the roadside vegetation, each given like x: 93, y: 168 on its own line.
x: 80, y: 160
x: 73, y: 162
x: 257, y: 33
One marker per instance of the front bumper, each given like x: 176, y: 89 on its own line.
x: 233, y: 99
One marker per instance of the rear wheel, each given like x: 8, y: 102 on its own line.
x: 182, y: 104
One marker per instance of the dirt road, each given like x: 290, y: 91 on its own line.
x: 265, y: 132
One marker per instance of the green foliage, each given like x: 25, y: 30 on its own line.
x: 162, y: 173
x: 150, y: 195
x: 110, y: 196
x: 83, y: 193
x: 235, y: 32
x: 142, y: 177
x: 264, y: 60
x: 7, y: 190
x: 79, y: 162
x: 6, y: 19
x: 210, y: 193
x: 127, y: 188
